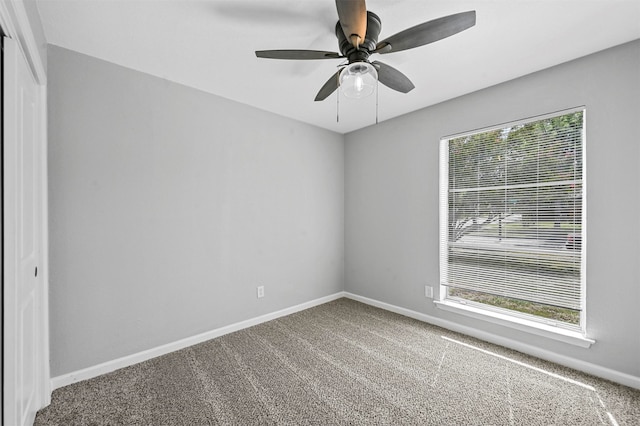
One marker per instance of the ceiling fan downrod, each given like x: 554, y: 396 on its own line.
x: 360, y: 52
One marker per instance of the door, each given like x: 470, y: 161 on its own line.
x: 22, y: 243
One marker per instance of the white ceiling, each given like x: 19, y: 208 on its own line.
x: 209, y: 45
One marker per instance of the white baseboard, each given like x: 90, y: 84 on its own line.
x: 109, y: 366
x: 576, y: 364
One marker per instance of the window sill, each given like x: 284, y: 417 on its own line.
x: 556, y: 333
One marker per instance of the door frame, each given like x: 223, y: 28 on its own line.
x: 14, y: 24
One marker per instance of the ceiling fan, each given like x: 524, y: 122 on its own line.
x: 357, y: 30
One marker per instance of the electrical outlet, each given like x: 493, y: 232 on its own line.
x: 260, y: 291
x: 428, y: 292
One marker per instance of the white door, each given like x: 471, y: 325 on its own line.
x: 22, y: 245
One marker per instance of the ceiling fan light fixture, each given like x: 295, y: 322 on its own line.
x: 358, y: 80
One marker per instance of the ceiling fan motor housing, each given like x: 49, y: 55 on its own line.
x: 368, y: 45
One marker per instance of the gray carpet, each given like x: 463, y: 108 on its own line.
x: 343, y: 363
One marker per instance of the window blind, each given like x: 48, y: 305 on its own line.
x: 514, y: 199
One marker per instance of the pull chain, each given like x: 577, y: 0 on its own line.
x: 377, y: 89
x: 338, y: 101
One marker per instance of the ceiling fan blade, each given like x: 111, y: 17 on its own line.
x: 353, y: 19
x: 329, y: 87
x: 427, y: 32
x: 392, y: 78
x: 297, y: 54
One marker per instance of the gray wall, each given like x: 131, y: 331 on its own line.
x: 391, y: 192
x: 168, y: 206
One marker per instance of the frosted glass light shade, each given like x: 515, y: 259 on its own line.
x: 358, y: 80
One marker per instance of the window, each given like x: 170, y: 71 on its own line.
x: 512, y: 220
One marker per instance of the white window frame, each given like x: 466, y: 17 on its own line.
x: 511, y: 319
